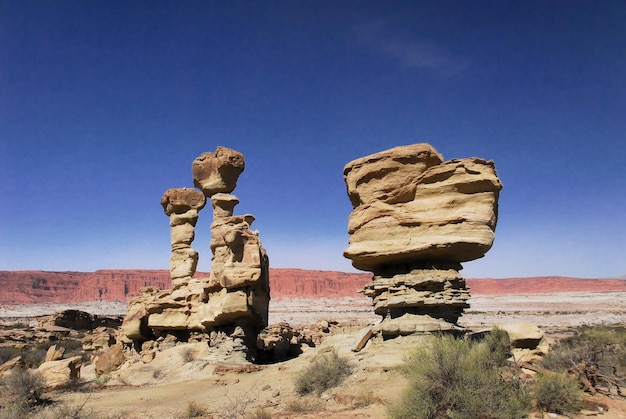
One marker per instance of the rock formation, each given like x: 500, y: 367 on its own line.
x: 415, y: 219
x: 235, y: 295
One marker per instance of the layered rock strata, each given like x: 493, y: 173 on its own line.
x: 416, y: 217
x: 235, y: 297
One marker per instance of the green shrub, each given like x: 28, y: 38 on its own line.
x: 7, y: 353
x: 454, y: 378
x: 598, y: 353
x: 324, y: 373
x: 558, y: 393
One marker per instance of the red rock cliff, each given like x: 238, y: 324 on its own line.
x: 29, y: 287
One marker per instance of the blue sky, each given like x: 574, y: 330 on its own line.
x: 105, y: 104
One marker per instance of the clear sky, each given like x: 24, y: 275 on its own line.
x: 105, y: 104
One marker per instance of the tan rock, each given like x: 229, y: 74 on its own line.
x: 57, y: 374
x: 181, y: 200
x: 450, y: 217
x: 218, y: 171
x: 10, y: 365
x: 523, y: 335
x: 135, y: 324
x: 99, y: 339
x: 389, y: 175
x: 54, y: 353
x: 362, y: 338
x: 110, y: 360
x: 409, y: 324
x: 415, y: 219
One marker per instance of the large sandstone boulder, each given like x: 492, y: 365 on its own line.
x: 217, y: 171
x: 448, y: 214
x: 415, y: 219
x: 61, y: 373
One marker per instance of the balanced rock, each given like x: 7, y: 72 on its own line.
x: 236, y: 294
x: 415, y: 219
x: 217, y: 171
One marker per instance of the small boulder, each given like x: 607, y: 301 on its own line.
x: 523, y: 335
x: 55, y: 352
x: 111, y: 360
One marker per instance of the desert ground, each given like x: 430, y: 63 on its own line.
x: 175, y: 380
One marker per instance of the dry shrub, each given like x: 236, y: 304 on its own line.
x: 25, y: 388
x: 195, y: 410
x: 325, y: 372
x: 454, y: 378
x: 305, y: 405
x: 558, y: 393
x: 597, y: 355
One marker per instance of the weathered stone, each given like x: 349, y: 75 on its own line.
x: 388, y: 176
x: 218, y: 171
x: 181, y: 200
x: 99, y: 339
x: 54, y: 353
x: 74, y: 319
x: 415, y: 219
x: 450, y: 217
x: 523, y: 335
x: 111, y: 360
x: 364, y: 335
x: 236, y: 295
x: 57, y: 374
x: 135, y: 324
x: 10, y: 365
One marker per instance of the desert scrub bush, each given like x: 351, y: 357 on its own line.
x: 304, y: 405
x: 596, y: 355
x: 325, y: 372
x: 25, y: 388
x: 558, y: 393
x: 7, y: 353
x: 455, y: 378
x: 195, y: 410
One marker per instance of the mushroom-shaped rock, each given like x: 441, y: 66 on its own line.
x: 218, y: 171
x: 415, y: 219
x: 181, y: 200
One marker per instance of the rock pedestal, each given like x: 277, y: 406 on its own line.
x: 415, y: 219
x: 235, y: 298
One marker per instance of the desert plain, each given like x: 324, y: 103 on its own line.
x: 187, y: 376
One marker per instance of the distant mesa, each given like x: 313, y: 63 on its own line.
x: 416, y: 217
x: 43, y: 287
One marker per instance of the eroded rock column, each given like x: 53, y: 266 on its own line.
x: 415, y: 219
x: 238, y: 289
x: 182, y: 206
